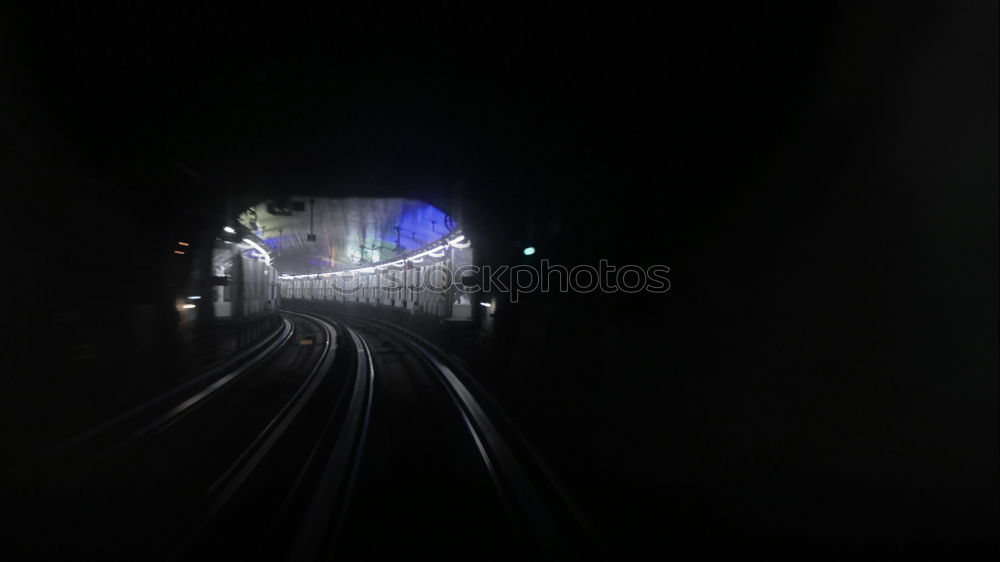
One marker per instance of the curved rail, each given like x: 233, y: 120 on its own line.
x: 333, y: 494
x: 523, y: 503
x: 236, y: 366
x: 544, y: 531
x: 228, y: 484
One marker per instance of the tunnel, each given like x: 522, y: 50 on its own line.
x: 510, y: 282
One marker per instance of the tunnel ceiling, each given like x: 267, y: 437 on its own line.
x: 348, y: 232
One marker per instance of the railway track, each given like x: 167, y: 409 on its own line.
x: 521, y: 512
x: 335, y: 437
x: 89, y: 448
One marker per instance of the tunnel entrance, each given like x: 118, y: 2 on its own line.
x: 385, y: 252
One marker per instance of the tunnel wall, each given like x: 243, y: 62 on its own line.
x: 411, y: 289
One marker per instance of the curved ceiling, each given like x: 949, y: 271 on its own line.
x: 319, y: 235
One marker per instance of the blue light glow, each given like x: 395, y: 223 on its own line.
x: 419, y: 224
x: 529, y: 250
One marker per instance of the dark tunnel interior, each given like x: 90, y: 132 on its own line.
x: 715, y: 281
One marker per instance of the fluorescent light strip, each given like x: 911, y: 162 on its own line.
x: 255, y: 246
x: 437, y: 252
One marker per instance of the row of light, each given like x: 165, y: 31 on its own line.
x: 261, y: 252
x: 437, y: 252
